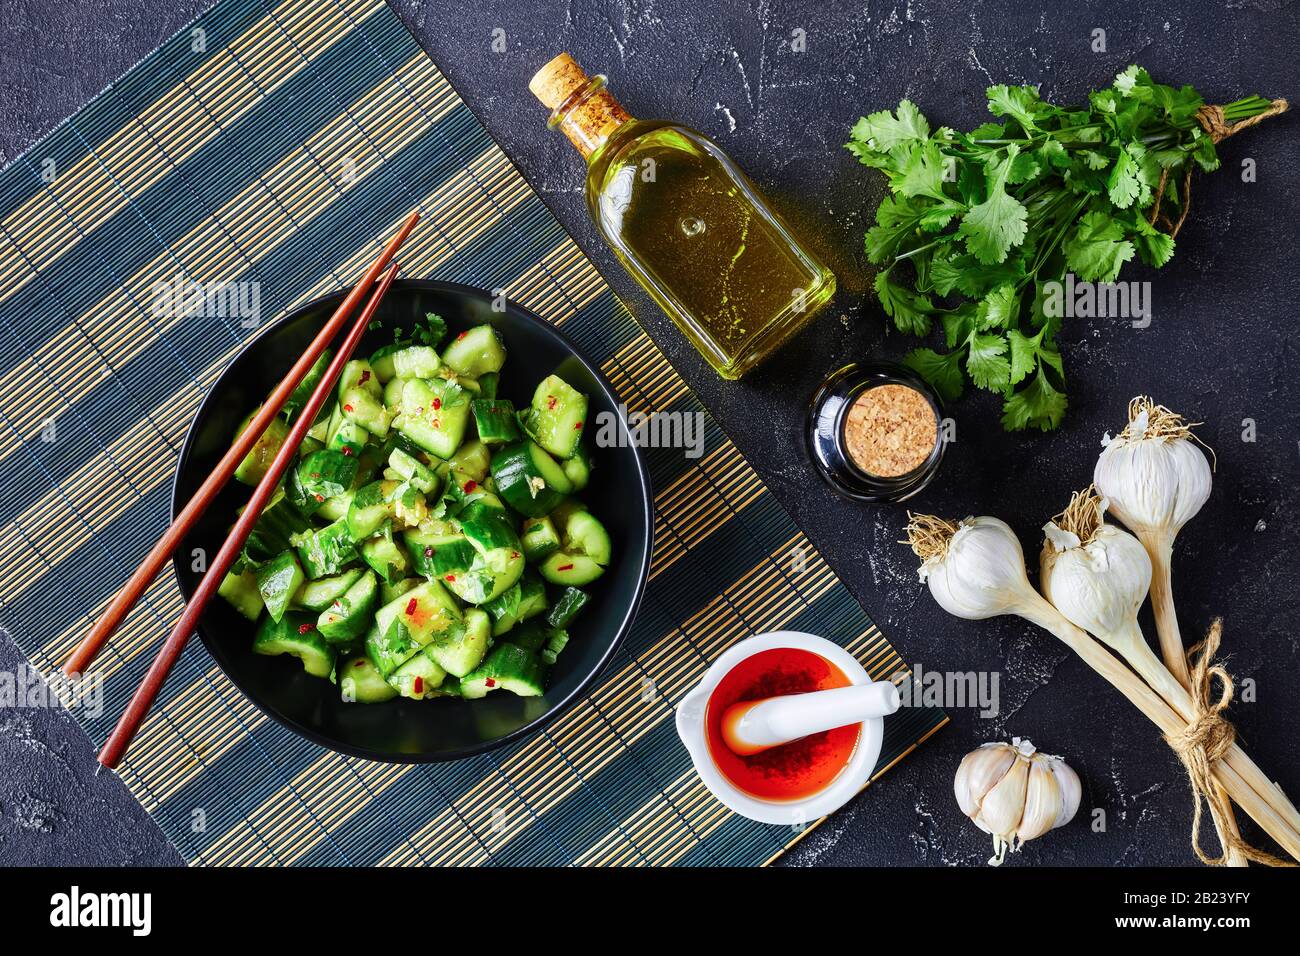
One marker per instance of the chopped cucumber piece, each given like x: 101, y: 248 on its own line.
x: 386, y: 558
x: 416, y: 361
x: 279, y: 521
x: 296, y: 635
x: 413, y: 470
x: 435, y: 415
x: 325, y: 551
x: 390, y: 648
x: 584, y: 551
x: 476, y: 351
x: 391, y: 592
x: 461, y: 650
x: 539, y: 538
x: 359, y: 374
x: 369, y: 509
x: 361, y: 683
x: 529, y: 479
x: 349, y: 616
x: 472, y: 459
x: 318, y: 595
x: 325, y: 474
x: 578, y: 468
x: 336, y: 508
x: 278, y: 581
x: 523, y: 601
x: 258, y: 460
x: 301, y: 393
x: 418, y: 678
x: 348, y: 438
x: 366, y: 410
x: 567, y: 605
x: 423, y: 612
x: 495, y: 421
x: 507, y: 667
x: 242, y: 593
x: 557, y: 416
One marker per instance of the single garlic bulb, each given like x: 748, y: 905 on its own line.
x: 1015, y: 793
x: 975, y: 568
x: 1096, y: 574
x: 1151, y: 472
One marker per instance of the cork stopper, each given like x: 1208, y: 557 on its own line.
x: 580, y: 105
x: 557, y: 81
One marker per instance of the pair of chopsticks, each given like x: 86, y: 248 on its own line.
x: 85, y: 652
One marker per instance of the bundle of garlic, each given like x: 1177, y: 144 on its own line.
x: 975, y: 569
x: 1015, y: 793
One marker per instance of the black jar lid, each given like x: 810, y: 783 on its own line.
x: 827, y: 445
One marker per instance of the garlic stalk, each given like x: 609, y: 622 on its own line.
x: 1156, y: 480
x: 1098, y: 575
x: 975, y: 569
x: 1015, y: 793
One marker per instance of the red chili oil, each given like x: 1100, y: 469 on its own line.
x: 789, y: 771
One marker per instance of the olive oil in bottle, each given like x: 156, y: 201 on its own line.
x: 687, y: 224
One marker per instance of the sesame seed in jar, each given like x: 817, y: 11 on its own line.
x: 890, y: 431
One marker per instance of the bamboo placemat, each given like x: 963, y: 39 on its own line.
x: 280, y: 144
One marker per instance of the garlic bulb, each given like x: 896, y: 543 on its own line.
x: 1096, y: 574
x: 978, y: 572
x: 1156, y: 481
x: 1151, y: 472
x: 1015, y: 793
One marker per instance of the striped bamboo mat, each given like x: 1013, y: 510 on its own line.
x: 279, y: 143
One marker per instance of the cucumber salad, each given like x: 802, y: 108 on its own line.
x: 428, y: 541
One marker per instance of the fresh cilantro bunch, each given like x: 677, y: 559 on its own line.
x: 977, y: 224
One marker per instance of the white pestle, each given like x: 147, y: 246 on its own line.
x: 755, y: 725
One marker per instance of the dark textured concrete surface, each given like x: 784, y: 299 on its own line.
x: 1221, y: 347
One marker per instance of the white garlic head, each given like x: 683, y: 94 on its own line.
x: 1098, y: 585
x: 982, y: 572
x: 1153, y: 480
x: 1015, y: 793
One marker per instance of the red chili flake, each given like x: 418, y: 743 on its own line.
x: 319, y: 497
x: 411, y: 606
x: 436, y: 423
x: 360, y: 663
x: 347, y: 408
x: 565, y: 567
x: 428, y: 552
x: 470, y: 486
x: 347, y: 451
x: 514, y: 554
x: 451, y: 577
x: 490, y: 682
x: 577, y: 427
x: 315, y: 474
x: 304, y: 628
x: 365, y: 377
x: 461, y: 336
x: 418, y: 685
x: 550, y: 402
x: 437, y: 404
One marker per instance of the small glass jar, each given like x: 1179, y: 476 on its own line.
x: 828, y: 445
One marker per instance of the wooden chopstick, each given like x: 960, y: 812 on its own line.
x: 138, y: 709
x: 130, y: 593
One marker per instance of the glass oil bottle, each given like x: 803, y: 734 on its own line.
x: 687, y: 224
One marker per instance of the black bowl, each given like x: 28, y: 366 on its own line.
x: 402, y: 730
